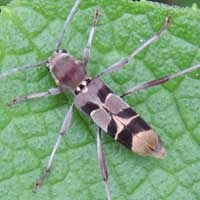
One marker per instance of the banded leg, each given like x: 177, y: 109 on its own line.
x: 19, y: 69
x: 86, y: 51
x: 102, y: 164
x: 160, y: 80
x: 118, y: 65
x: 67, y: 21
x: 63, y: 130
x: 50, y: 92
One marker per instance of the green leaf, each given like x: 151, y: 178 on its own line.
x: 28, y: 33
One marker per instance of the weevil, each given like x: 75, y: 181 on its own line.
x: 93, y: 97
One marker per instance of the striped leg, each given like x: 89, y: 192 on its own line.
x: 118, y: 65
x: 19, y: 69
x: 86, y: 52
x: 160, y: 80
x: 66, y: 24
x: 63, y: 130
x: 50, y: 92
x: 102, y: 163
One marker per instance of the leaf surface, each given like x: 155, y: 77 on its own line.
x: 28, y: 33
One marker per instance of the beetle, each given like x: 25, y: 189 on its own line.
x: 93, y: 97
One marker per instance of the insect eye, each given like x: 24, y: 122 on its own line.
x: 61, y: 51
x: 64, y: 51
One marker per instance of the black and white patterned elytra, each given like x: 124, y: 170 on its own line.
x: 111, y: 113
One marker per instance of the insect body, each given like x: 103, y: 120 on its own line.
x: 108, y: 110
x: 111, y: 113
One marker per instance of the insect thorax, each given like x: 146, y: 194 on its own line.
x: 67, y: 71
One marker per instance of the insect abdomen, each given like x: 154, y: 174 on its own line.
x: 111, y: 113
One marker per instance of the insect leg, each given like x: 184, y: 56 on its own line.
x: 86, y: 52
x: 67, y: 21
x: 50, y: 92
x: 102, y: 163
x: 160, y: 80
x: 118, y: 65
x: 63, y: 130
x: 18, y: 69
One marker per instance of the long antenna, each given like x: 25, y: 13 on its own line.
x: 161, y: 80
x: 18, y: 69
x: 67, y: 21
x: 121, y: 63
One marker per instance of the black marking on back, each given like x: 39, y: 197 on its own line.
x: 81, y: 86
x: 89, y: 107
x: 103, y: 92
x: 112, y: 128
x: 125, y: 138
x: 137, y: 125
x: 127, y: 113
x: 76, y: 91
